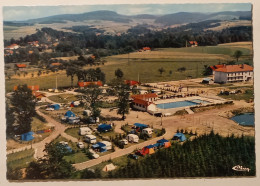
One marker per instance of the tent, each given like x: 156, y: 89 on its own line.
x: 179, y: 136
x: 109, y: 167
x: 55, y: 106
x: 74, y: 103
x: 101, y: 147
x: 150, y: 149
x: 27, y: 136
x: 140, y: 126
x: 163, y: 143
x: 147, y: 150
x: 69, y: 114
x: 104, y: 128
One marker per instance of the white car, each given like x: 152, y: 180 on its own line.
x: 80, y: 145
x: 124, y: 141
x: 49, y: 109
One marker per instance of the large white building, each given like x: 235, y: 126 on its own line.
x: 232, y: 73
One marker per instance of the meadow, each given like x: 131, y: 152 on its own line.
x: 146, y: 65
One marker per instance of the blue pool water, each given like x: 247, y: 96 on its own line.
x: 247, y: 119
x: 176, y: 104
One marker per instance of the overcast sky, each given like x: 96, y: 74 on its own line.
x: 19, y: 13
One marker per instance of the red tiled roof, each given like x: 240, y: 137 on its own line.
x: 56, y: 64
x: 216, y: 67
x: 132, y: 82
x: 193, y: 42
x: 146, y: 48
x: 33, y: 87
x: 141, y: 102
x: 21, y: 65
x: 235, y: 68
x: 144, y: 96
x: 39, y: 94
x: 85, y: 84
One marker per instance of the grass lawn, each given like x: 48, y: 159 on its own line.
x: 63, y: 98
x: 38, y: 124
x: 146, y: 64
x: 20, y: 159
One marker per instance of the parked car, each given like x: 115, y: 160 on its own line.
x: 80, y: 145
x: 132, y: 156
x: 124, y: 141
x: 49, y: 109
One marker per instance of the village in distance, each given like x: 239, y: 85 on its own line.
x: 107, y: 95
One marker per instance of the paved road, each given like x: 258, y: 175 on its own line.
x: 119, y: 152
x: 39, y: 147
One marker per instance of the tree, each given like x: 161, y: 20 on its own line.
x: 161, y: 70
x: 23, y: 103
x: 123, y: 100
x: 93, y: 97
x: 52, y: 165
x: 207, y: 70
x: 238, y: 54
x: 9, y: 121
x: 119, y: 73
x: 71, y: 71
x: 13, y: 174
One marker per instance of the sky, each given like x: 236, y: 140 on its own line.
x: 20, y: 13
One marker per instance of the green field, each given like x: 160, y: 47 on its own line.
x: 20, y: 159
x: 146, y: 64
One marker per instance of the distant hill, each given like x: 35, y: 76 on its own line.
x: 96, y: 15
x: 187, y: 17
x: 169, y: 19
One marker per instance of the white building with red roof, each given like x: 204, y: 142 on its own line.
x: 142, y: 101
x: 233, y: 73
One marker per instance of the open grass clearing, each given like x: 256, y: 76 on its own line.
x: 63, y: 98
x: 146, y: 64
x: 20, y: 159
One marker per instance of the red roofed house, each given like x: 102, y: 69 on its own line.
x: 12, y: 47
x: 33, y: 87
x: 132, y: 82
x: 193, y: 43
x: 85, y: 84
x: 232, y: 73
x: 20, y: 67
x: 142, y: 101
x: 146, y: 48
x: 55, y: 64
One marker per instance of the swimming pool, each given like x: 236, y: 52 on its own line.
x: 176, y: 104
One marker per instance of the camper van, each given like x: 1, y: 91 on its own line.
x: 108, y: 144
x: 84, y: 131
x: 74, y: 120
x: 132, y: 138
x: 90, y: 139
x: 148, y: 132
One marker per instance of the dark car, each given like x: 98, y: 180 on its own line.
x: 132, y: 156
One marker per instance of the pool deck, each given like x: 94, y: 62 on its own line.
x: 212, y: 101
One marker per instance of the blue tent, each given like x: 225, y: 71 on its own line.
x: 69, y: 114
x: 162, y: 141
x: 104, y: 128
x: 180, y: 136
x: 27, y: 136
x: 55, y: 106
x: 141, y: 126
x: 150, y: 146
x: 100, y: 146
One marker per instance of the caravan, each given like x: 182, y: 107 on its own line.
x: 132, y: 138
x: 84, y: 131
x: 148, y: 132
x: 90, y: 139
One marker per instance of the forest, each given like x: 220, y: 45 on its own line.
x: 134, y: 39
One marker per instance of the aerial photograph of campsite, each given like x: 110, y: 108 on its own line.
x: 119, y: 92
